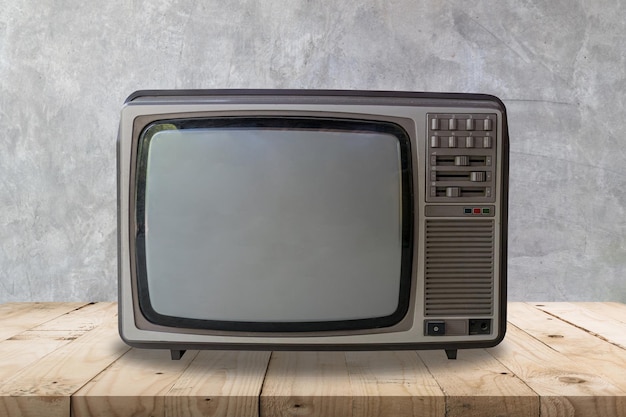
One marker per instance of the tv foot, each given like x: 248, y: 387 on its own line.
x: 177, y: 354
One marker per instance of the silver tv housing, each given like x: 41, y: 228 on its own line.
x: 312, y: 220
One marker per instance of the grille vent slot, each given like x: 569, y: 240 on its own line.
x: 459, y: 267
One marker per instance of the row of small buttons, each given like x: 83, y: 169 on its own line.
x: 461, y: 142
x: 461, y: 124
x: 477, y: 210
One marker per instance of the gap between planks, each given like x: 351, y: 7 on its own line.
x: 603, y: 320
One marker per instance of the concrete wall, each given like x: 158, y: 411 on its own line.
x: 66, y: 66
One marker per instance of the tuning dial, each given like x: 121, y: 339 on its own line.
x: 461, y: 160
x: 478, y: 176
x: 453, y: 191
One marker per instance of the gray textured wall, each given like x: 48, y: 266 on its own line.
x: 66, y: 66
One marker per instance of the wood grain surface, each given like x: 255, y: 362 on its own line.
x: 558, y: 359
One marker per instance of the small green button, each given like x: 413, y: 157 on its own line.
x: 486, y: 211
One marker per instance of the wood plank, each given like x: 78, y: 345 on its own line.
x: 607, y: 309
x: 578, y: 344
x: 566, y: 387
x: 18, y: 317
x: 476, y: 385
x: 29, y: 346
x: 44, y: 387
x: 306, y: 383
x: 219, y: 383
x: 392, y: 384
x: 567, y: 361
x: 83, y: 319
x: 134, y: 385
x: 607, y: 320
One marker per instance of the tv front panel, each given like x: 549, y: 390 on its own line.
x: 286, y: 219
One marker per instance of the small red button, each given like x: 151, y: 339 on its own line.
x: 476, y: 211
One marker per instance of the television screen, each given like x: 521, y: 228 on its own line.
x: 304, y: 214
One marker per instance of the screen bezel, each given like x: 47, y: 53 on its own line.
x: 276, y: 122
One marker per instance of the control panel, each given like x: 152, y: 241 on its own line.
x: 461, y: 153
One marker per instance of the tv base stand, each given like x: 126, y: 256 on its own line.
x: 177, y: 354
x: 451, y: 353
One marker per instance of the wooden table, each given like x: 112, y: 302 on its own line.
x: 558, y: 359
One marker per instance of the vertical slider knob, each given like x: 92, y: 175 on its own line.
x: 478, y: 176
x: 461, y: 160
x: 434, y: 123
x: 452, y: 124
x: 469, y: 124
x: 453, y: 191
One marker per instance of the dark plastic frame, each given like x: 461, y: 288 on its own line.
x: 283, y: 123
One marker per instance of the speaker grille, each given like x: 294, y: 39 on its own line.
x: 459, y: 267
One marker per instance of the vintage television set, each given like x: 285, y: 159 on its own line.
x: 312, y: 220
